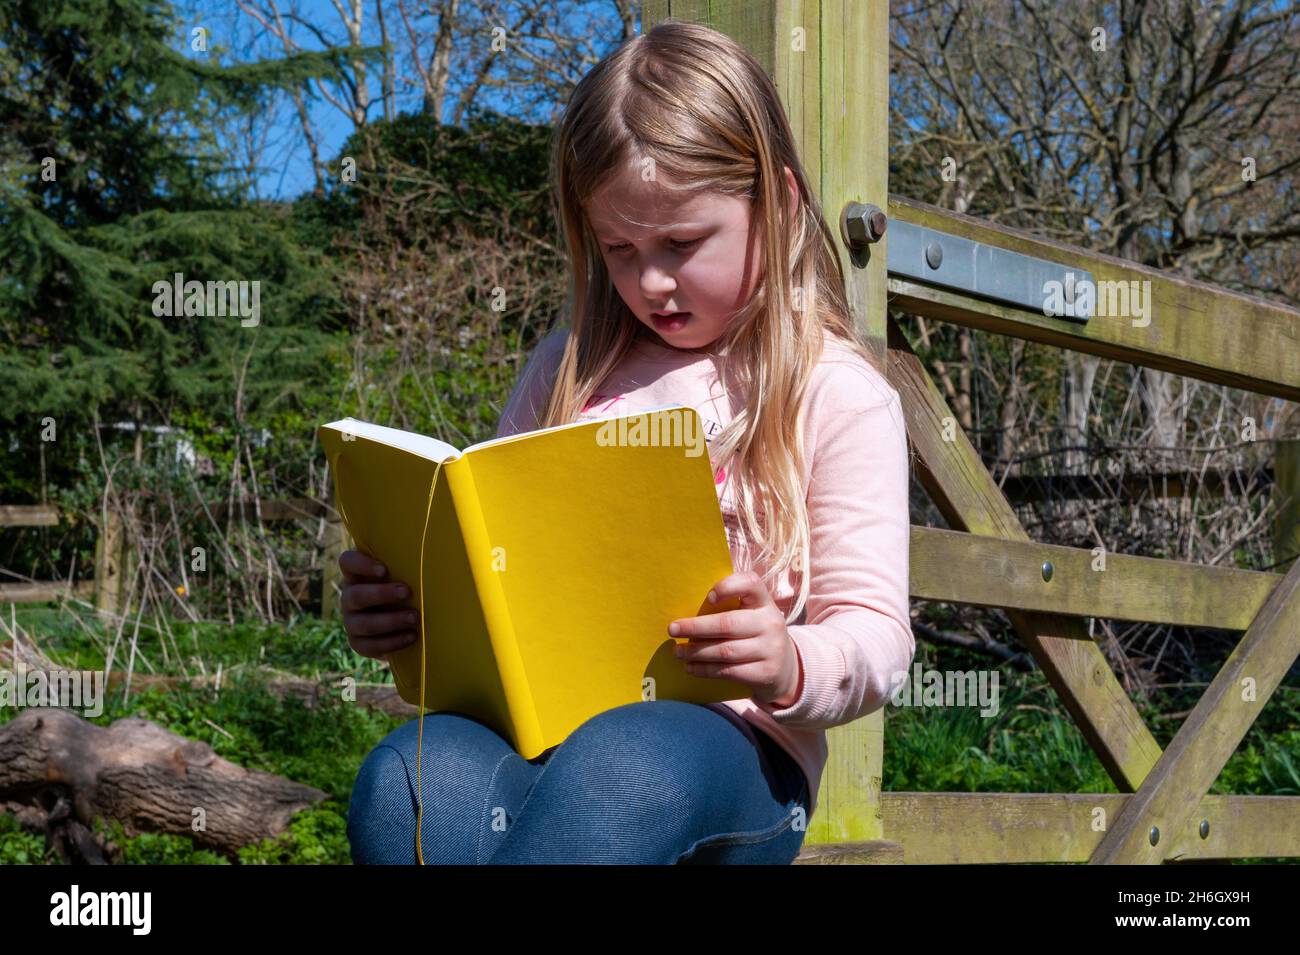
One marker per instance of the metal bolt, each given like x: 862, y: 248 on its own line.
x: 862, y: 224
x: 1155, y: 835
x: 934, y: 255
x: 1205, y: 828
x: 1047, y: 570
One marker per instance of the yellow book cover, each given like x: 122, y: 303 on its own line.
x: 553, y: 562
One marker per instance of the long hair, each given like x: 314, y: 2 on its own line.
x: 694, y: 101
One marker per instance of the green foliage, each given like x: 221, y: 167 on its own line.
x: 156, y: 848
x: 105, y: 349
x: 488, y: 177
x: 320, y: 746
x: 1019, y: 749
x: 144, y: 190
x: 1033, y: 745
x: 316, y: 836
x: 306, y: 645
x: 1264, y: 766
x: 19, y: 847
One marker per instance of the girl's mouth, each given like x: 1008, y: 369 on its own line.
x: 671, y: 323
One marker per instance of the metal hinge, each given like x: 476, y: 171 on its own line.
x: 949, y: 261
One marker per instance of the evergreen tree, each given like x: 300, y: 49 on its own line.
x: 113, y: 180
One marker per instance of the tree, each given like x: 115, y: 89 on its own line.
x: 1161, y: 131
x: 112, y: 181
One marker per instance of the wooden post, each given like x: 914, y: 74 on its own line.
x: 1286, y: 489
x: 830, y: 63
x: 335, y: 543
x: 108, y: 564
x: 130, y: 560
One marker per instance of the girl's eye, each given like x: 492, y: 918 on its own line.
x: 682, y: 244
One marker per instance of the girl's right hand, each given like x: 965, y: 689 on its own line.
x: 375, y: 627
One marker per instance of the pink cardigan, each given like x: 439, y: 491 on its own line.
x: 854, y: 634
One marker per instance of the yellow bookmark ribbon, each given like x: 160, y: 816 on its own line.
x: 419, y: 745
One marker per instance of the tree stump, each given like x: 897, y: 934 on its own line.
x: 59, y: 772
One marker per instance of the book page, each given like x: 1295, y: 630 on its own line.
x: 418, y: 444
x: 492, y: 442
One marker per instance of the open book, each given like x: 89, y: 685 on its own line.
x: 546, y: 566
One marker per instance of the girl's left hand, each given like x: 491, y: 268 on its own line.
x: 750, y: 645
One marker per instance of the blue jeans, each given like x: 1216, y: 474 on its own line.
x: 657, y: 782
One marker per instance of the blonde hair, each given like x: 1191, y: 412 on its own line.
x: 695, y: 102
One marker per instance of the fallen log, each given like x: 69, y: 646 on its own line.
x: 59, y: 772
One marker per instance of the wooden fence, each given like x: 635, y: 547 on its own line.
x: 830, y: 63
x: 835, y: 89
x: 114, y: 560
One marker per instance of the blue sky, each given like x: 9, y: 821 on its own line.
x: 286, y: 166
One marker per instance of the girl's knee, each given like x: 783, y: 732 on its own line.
x: 457, y: 757
x: 384, y: 787
x: 380, y: 805
x: 453, y: 742
x: 647, y: 761
x: 659, y: 735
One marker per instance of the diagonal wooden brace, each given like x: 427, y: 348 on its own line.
x: 961, y: 487
x: 1210, y: 734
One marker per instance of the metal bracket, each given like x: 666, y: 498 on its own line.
x: 1014, y: 278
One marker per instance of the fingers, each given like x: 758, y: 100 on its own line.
x: 357, y: 567
x: 723, y: 651
x: 362, y: 596
x: 374, y: 626
x: 378, y: 647
x: 728, y: 624
x: 372, y: 623
x: 374, y: 633
x: 746, y: 585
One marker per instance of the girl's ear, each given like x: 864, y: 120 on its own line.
x: 794, y: 190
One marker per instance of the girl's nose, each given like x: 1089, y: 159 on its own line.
x: 656, y: 283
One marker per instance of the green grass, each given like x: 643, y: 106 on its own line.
x: 1030, y: 745
x: 305, y: 646
x: 322, y: 747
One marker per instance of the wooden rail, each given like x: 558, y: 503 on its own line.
x: 829, y: 62
x: 1192, y: 329
x: 112, y: 554
x: 1132, y: 485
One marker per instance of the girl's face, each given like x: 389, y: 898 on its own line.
x: 669, y: 253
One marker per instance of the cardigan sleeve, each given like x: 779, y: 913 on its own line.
x: 856, y: 641
x: 527, y: 401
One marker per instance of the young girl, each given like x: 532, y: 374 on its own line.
x: 702, y: 273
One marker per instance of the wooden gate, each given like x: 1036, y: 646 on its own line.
x: 830, y: 62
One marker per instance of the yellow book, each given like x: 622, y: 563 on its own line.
x: 553, y: 562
